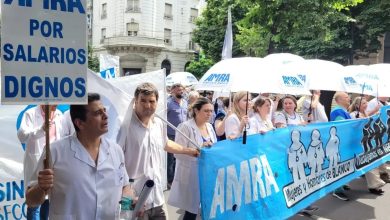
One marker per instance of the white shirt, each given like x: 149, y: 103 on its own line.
x: 256, y: 124
x: 286, y: 119
x: 82, y: 189
x: 67, y: 124
x: 318, y: 113
x: 32, y: 134
x: 232, y: 126
x: 372, y: 104
x: 144, y: 155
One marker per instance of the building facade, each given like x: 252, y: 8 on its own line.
x: 147, y: 35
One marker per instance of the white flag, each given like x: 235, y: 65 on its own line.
x: 228, y: 42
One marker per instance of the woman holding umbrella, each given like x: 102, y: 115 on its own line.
x: 237, y: 121
x: 288, y: 115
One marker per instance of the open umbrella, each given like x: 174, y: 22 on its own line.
x: 382, y: 70
x: 250, y: 74
x: 184, y: 78
x: 365, y: 80
x: 226, y: 74
x: 282, y: 58
x: 318, y: 74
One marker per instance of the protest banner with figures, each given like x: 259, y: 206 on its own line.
x: 277, y: 174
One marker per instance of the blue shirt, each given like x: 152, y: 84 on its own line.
x: 339, y: 113
x: 176, y: 113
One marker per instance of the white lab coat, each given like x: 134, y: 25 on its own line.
x: 185, y: 193
x: 83, y: 188
x: 32, y: 134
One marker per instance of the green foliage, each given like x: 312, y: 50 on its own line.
x: 211, y: 25
x: 335, y: 30
x: 198, y: 68
x: 93, y: 61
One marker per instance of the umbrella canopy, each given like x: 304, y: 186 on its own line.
x: 282, y: 58
x: 318, y: 74
x: 382, y: 70
x: 250, y: 74
x: 364, y: 80
x: 269, y: 77
x: 226, y: 74
x: 184, y: 78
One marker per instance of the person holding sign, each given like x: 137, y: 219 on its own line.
x: 32, y: 134
x: 143, y: 139
x: 87, y: 177
x: 185, y: 192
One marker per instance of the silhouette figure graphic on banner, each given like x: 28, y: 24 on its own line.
x: 380, y: 130
x: 332, y: 148
x: 297, y: 158
x: 388, y: 125
x: 315, y: 153
x: 368, y: 133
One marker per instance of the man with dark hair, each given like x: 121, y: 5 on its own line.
x: 90, y: 176
x: 177, y: 108
x: 144, y: 139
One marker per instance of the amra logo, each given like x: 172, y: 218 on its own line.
x: 218, y: 78
x: 349, y: 80
x: 291, y: 81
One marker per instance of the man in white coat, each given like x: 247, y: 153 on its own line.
x: 32, y: 133
x: 87, y: 177
x: 143, y: 139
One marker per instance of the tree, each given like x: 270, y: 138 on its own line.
x: 211, y: 25
x: 200, y: 67
x: 93, y: 61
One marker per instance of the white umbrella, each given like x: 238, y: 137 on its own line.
x: 250, y: 74
x: 364, y: 80
x: 184, y: 78
x: 318, y: 74
x: 282, y: 58
x: 269, y: 77
x: 226, y: 74
x: 382, y: 70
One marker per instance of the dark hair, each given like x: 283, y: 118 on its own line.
x: 226, y: 102
x: 80, y: 111
x: 199, y: 103
x: 146, y: 89
x: 260, y: 102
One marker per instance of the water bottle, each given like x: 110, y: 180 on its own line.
x: 126, y: 204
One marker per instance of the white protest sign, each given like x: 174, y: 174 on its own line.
x: 44, y: 51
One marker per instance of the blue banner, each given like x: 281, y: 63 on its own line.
x: 277, y: 174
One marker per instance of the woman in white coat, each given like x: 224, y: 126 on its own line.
x: 185, y: 192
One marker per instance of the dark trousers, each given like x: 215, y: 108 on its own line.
x: 189, y: 216
x: 171, y: 163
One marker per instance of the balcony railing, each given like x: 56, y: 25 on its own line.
x: 168, y: 16
x: 142, y: 41
x: 103, y: 16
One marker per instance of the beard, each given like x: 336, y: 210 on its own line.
x: 179, y: 96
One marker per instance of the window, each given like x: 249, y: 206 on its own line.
x: 103, y: 35
x: 168, y: 36
x: 191, y: 44
x: 132, y: 28
x: 193, y: 14
x: 133, y: 6
x: 168, y: 11
x: 104, y: 11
